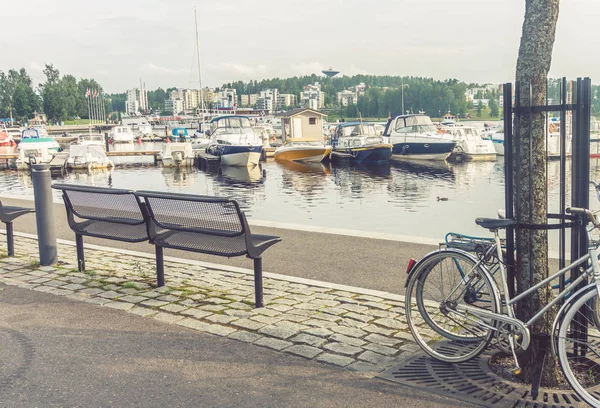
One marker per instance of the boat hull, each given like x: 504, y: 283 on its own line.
x: 237, y: 155
x: 313, y: 155
x: 422, y: 151
x: 381, y: 152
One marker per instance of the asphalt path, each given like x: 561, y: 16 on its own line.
x: 58, y: 352
x: 377, y: 264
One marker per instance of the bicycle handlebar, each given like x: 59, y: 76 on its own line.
x: 590, y: 215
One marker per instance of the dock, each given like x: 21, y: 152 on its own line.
x: 58, y: 164
x: 206, y: 161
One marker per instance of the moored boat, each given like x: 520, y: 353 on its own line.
x: 415, y: 137
x: 470, y: 145
x: 303, y: 150
x: 87, y: 157
x: 357, y: 141
x: 6, y: 138
x: 35, y: 149
x: 176, y: 154
x: 234, y: 141
x: 121, y: 134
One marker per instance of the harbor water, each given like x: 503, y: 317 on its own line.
x: 420, y: 199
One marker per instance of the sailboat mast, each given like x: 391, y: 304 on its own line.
x: 199, y: 71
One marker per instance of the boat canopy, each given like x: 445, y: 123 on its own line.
x: 356, y: 129
x: 179, y: 132
x: 80, y: 150
x: 230, y: 121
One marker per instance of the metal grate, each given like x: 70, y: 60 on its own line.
x: 475, y: 383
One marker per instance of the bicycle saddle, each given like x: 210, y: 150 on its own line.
x: 493, y: 223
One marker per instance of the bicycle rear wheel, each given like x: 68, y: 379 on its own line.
x: 578, y: 346
x: 441, y: 281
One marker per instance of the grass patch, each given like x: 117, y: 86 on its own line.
x: 129, y: 285
x: 33, y: 264
x: 90, y: 272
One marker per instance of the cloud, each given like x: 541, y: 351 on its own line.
x: 151, y: 68
x: 307, y: 68
x: 238, y: 69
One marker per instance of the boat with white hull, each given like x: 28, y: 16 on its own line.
x: 121, y: 134
x: 233, y: 140
x: 415, y: 137
x: 470, y: 145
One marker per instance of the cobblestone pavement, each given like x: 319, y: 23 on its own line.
x: 358, y: 331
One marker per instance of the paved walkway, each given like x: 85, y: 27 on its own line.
x: 361, y: 330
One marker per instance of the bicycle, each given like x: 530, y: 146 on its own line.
x: 455, y: 310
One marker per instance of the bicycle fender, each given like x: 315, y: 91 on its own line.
x: 564, y: 308
x: 432, y: 253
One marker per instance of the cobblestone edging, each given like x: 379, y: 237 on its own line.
x: 357, y: 331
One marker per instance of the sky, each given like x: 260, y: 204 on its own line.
x: 119, y: 43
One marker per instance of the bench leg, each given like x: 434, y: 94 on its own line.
x: 80, y: 253
x: 10, y: 240
x: 258, y: 286
x: 160, y: 266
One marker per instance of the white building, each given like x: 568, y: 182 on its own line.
x: 174, y: 105
x: 226, y: 98
x: 312, y: 97
x: 249, y: 100
x: 285, y: 100
x: 347, y: 97
x: 137, y: 101
x: 268, y: 100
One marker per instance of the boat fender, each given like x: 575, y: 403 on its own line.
x: 405, y: 149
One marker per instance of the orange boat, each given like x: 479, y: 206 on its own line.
x: 6, y: 138
x: 303, y: 150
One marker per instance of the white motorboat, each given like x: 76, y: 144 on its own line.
x: 234, y: 141
x: 121, y: 134
x: 415, y: 137
x: 91, y: 139
x: 470, y: 145
x: 87, y: 157
x: 139, y: 125
x: 35, y: 149
x: 177, y: 154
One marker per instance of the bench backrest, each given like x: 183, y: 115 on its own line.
x: 193, y: 213
x: 102, y: 204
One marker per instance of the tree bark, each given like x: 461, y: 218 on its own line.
x: 533, y: 64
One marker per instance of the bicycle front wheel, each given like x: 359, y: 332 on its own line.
x: 442, y: 281
x: 579, y: 347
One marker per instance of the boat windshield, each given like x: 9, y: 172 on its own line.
x: 304, y: 143
x: 231, y: 123
x: 415, y: 124
x: 362, y: 129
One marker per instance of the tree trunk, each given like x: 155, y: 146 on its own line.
x: 535, y: 55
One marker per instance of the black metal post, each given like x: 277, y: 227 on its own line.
x: 10, y: 239
x: 562, y: 241
x: 508, y: 193
x: 258, y: 286
x: 80, y: 253
x: 160, y: 266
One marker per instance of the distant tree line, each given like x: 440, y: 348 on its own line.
x: 62, y: 97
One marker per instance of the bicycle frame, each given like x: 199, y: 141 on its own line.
x: 593, y: 270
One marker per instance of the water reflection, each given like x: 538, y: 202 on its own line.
x: 308, y: 179
x: 396, y: 197
x: 241, y: 176
x: 178, y: 176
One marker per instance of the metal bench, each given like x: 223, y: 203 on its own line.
x: 103, y: 213
x: 208, y: 225
x: 7, y: 216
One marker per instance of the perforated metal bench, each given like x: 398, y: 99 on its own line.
x: 103, y: 212
x: 8, y: 214
x: 208, y: 225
